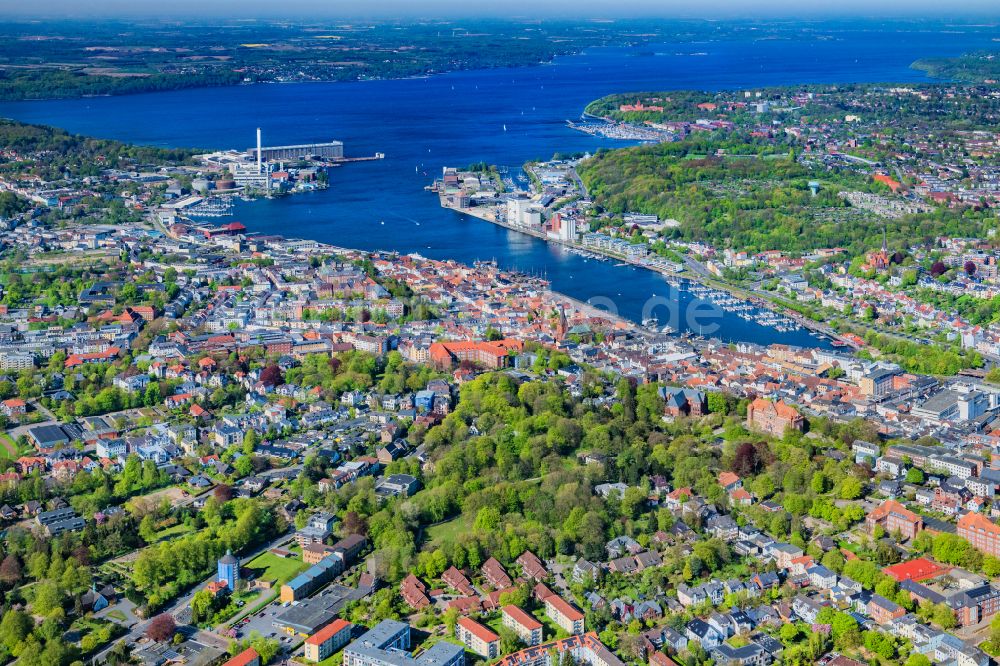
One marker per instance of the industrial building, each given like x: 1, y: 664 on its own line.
x: 309, y: 616
x: 329, y: 150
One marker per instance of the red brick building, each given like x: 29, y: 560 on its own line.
x: 884, y: 611
x: 774, y: 417
x: 893, y: 516
x: 490, y: 354
x: 981, y: 532
x: 414, y: 592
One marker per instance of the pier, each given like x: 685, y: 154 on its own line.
x: 370, y: 158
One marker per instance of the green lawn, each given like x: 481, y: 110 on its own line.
x: 495, y: 624
x: 551, y: 630
x: 269, y: 566
x: 449, y: 530
x: 8, y: 447
x: 433, y: 639
x: 180, y: 529
x: 116, y: 615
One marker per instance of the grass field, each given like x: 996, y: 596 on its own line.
x: 269, y: 566
x: 8, y: 448
x: 449, y: 531
x: 180, y: 529
x: 551, y: 630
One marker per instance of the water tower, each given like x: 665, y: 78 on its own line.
x: 229, y: 570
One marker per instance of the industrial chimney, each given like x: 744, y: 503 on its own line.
x: 258, y: 151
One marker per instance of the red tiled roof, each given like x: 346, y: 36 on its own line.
x: 781, y: 408
x: 728, y: 478
x: 917, y: 570
x: 564, y: 608
x: 477, y: 630
x: 243, y: 658
x: 892, y: 506
x: 522, y: 618
x: 974, y: 521
x: 329, y: 631
x: 740, y: 494
x: 532, y: 654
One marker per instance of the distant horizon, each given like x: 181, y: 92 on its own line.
x: 180, y: 10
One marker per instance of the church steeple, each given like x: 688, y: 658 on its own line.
x: 563, y: 325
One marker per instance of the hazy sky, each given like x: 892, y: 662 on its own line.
x: 459, y: 8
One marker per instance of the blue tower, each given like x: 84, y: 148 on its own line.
x: 229, y: 570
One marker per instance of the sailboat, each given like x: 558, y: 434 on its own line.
x: 505, y: 128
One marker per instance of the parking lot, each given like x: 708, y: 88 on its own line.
x: 261, y: 622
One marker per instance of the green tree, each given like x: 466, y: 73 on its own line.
x: 850, y: 488
x: 789, y: 633
x: 250, y: 441
x: 201, y: 605
x: 943, y: 616
x: 147, y: 528
x: 14, y: 628
x: 488, y: 519
x: 47, y: 597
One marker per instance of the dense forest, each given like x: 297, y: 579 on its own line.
x: 978, y: 67
x: 51, y: 83
x: 734, y: 191
x: 50, y: 153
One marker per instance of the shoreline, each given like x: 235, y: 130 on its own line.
x: 239, y: 84
x: 815, y: 328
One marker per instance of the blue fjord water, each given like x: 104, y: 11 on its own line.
x: 456, y: 119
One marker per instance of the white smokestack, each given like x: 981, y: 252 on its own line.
x: 258, y: 150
